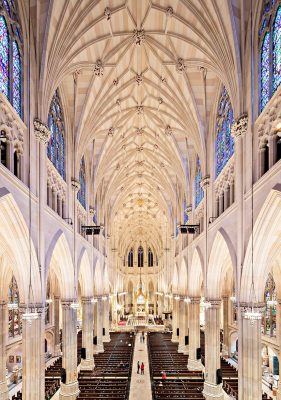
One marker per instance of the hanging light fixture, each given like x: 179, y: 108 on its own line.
x: 13, y: 306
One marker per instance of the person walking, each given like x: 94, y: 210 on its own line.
x: 143, y: 337
x: 142, y: 368
x: 140, y: 338
x: 138, y: 367
x: 163, y: 376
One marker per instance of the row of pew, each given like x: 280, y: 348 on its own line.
x: 111, y: 377
x: 181, y: 384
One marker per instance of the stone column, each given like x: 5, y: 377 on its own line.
x: 69, y: 389
x: 106, y: 337
x: 49, y: 195
x: 194, y: 363
x: 4, y: 392
x: 10, y: 155
x: 278, y: 335
x: 225, y: 306
x: 261, y: 160
x: 33, y: 355
x: 181, y: 347
x: 212, y: 351
x: 54, y: 200
x: 57, y: 348
x: 272, y: 150
x: 87, y: 333
x: 175, y: 337
x: 250, y: 371
x: 99, y: 324
x: 220, y: 204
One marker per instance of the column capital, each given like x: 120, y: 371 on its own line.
x: 246, y: 306
x: 195, y: 300
x: 57, y: 298
x: 41, y: 131
x: 34, y: 307
x: 66, y: 303
x: 215, y: 303
x: 240, y: 126
x: 225, y: 297
x: 86, y: 299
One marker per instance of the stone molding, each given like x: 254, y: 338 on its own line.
x: 86, y: 299
x: 205, y: 182
x: 55, y: 181
x: 139, y: 37
x: 41, y: 131
x: 215, y: 303
x: 225, y: 178
x: 180, y: 65
x: 265, y: 127
x: 195, y: 300
x: 240, y: 126
x: 99, y: 68
x: 13, y: 127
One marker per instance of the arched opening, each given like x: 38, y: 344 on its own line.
x: 140, y: 257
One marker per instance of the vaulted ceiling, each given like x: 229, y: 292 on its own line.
x: 148, y: 75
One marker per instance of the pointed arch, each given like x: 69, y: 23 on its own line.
x: 17, y: 250
x: 59, y: 262
x: 195, y: 274
x: 220, y: 274
x: 224, y: 143
x: 85, y: 274
x: 56, y: 145
x: 266, y: 249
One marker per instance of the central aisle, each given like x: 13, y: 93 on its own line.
x: 140, y: 384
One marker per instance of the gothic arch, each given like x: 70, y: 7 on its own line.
x: 266, y: 240
x: 221, y: 265
x: 85, y: 274
x: 59, y: 262
x: 15, y: 250
x: 182, y: 282
x: 195, y: 274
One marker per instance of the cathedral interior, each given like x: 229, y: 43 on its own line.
x: 140, y: 199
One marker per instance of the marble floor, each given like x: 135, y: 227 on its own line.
x: 140, y: 384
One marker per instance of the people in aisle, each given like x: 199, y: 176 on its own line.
x: 142, y: 368
x: 138, y: 367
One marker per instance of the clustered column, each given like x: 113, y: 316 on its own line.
x: 182, y: 323
x: 250, y: 372
x: 212, y: 384
x: 57, y: 346
x: 4, y: 393
x: 106, y: 336
x: 225, y: 306
x: 175, y: 320
x: 33, y: 356
x: 87, y: 363
x: 99, y: 323
x: 194, y: 358
x: 69, y: 384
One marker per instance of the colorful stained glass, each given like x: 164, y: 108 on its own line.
x: 269, y: 316
x: 56, y: 145
x: 131, y: 258
x: 276, y: 51
x: 265, y: 62
x: 4, y: 57
x: 7, y: 6
x: 15, y: 324
x: 224, y: 139
x: 16, y: 78
x: 140, y: 257
x: 81, y: 195
x: 185, y: 216
x: 199, y: 193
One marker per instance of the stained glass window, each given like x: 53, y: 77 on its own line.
x: 269, y: 315
x: 265, y: 88
x: 277, y: 50
x: 185, y: 216
x: 224, y: 139
x: 4, y: 57
x: 82, y: 179
x: 199, y: 193
x: 150, y: 257
x: 15, y: 323
x: 131, y: 258
x: 16, y: 78
x: 10, y: 55
x: 270, y: 51
x: 56, y: 145
x: 140, y: 257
